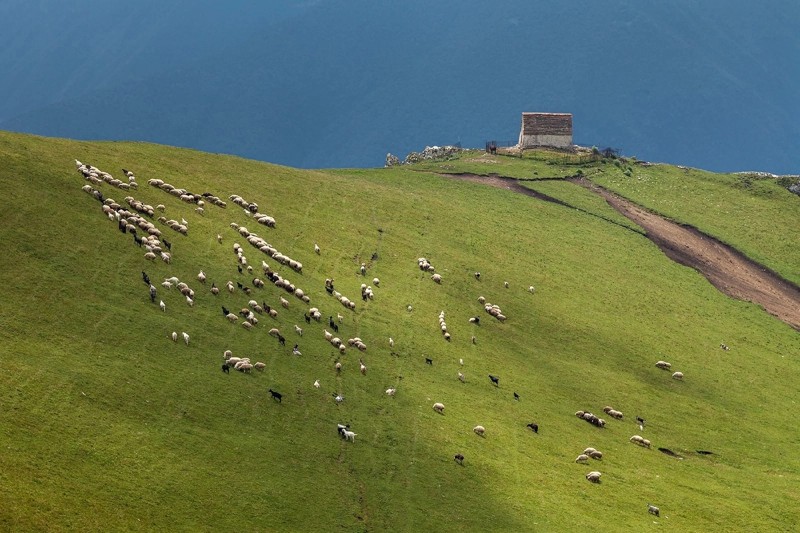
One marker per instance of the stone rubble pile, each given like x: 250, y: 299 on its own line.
x: 429, y: 153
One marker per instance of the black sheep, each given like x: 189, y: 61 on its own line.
x: 534, y: 427
x: 226, y: 368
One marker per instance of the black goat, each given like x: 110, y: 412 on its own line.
x: 226, y: 368
x: 239, y: 267
x: 459, y: 458
x: 335, y: 327
x: 225, y: 311
x: 276, y: 395
x: 495, y: 380
x: 167, y: 244
x: 137, y: 240
x: 429, y: 361
x: 238, y: 284
x: 145, y: 277
x: 331, y: 323
x: 516, y: 396
x: 534, y: 427
x: 308, y: 318
x: 281, y: 339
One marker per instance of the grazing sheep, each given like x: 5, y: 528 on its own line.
x: 582, y: 458
x: 637, y: 439
x: 505, y: 284
x: 652, y: 509
x: 481, y: 300
x: 284, y: 302
x: 459, y: 459
x: 201, y: 277
x: 247, y: 325
x: 677, y: 375
x: 186, y: 338
x: 594, y: 477
x: 724, y: 347
x: 531, y: 289
x: 260, y: 366
x: 376, y: 282
x: 439, y: 408
x: 363, y: 367
x: 363, y: 269
x: 663, y: 365
x: 461, y: 378
x: 587, y: 451
x: 437, y: 278
x: 174, y: 336
x: 316, y: 248
x: 534, y: 427
x: 274, y: 332
x: 479, y: 430
x: 596, y: 455
x: 391, y: 391
x: 338, y: 366
x: 231, y: 317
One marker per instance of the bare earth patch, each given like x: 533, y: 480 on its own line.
x: 726, y: 268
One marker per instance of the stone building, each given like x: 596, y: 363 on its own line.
x: 546, y: 129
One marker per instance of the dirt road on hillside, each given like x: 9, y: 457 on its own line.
x: 725, y: 267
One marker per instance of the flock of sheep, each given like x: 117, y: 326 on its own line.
x: 135, y: 219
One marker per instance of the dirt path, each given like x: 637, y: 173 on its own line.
x: 725, y: 267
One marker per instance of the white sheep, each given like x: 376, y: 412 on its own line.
x: 284, y: 302
x: 185, y: 338
x: 391, y: 391
x: 437, y: 278
x: 174, y: 336
x: 531, y: 289
x: 461, y: 378
x: 582, y: 458
x: 663, y: 365
x: 594, y: 477
x: 260, y: 366
x: 596, y: 455
x: 479, y: 430
x: 316, y: 248
x: 316, y: 384
x: 376, y: 282
x: 391, y: 342
x: 677, y: 375
x: 439, y: 408
x: 201, y: 277
x: 227, y: 354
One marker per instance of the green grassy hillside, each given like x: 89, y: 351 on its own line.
x: 106, y: 424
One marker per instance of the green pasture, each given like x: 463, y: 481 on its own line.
x: 107, y: 425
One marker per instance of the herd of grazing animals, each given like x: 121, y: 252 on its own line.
x: 139, y: 219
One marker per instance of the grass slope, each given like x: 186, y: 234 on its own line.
x: 107, y: 424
